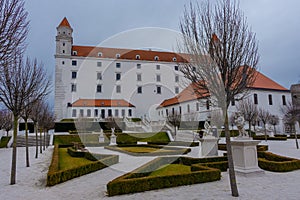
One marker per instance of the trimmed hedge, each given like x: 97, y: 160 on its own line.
x: 176, y: 143
x: 171, y: 150
x: 4, y: 141
x: 275, y: 163
x: 222, y: 147
x: 262, y: 137
x: 133, y: 138
x: 233, y: 133
x: 56, y: 176
x: 139, y: 181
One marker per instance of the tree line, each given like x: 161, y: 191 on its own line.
x: 24, y: 83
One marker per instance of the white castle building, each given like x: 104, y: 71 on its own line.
x: 101, y: 82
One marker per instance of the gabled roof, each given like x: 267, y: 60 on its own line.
x: 129, y: 54
x: 261, y: 82
x: 101, y: 103
x: 65, y: 23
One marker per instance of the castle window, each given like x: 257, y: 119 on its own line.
x: 138, y: 66
x: 74, y: 62
x: 74, y: 53
x: 63, y: 62
x: 116, y: 113
x: 63, y: 51
x: 174, y: 59
x: 158, y: 78
x: 158, y: 89
x: 99, y: 88
x: 118, y: 89
x: 88, y: 113
x: 137, y: 57
x: 74, y: 114
x: 176, y: 68
x: 99, y: 54
x: 139, y: 90
x: 74, y: 75
x: 188, y: 108
x: 176, y: 90
x: 139, y: 77
x: 118, y: 55
x: 64, y: 44
x: 99, y: 64
x: 129, y: 112
x: 81, y: 113
x: 283, y: 100
x: 255, y: 99
x: 207, y: 104
x: 118, y: 65
x: 176, y: 78
x: 270, y: 99
x: 156, y: 58
x: 96, y: 113
x: 73, y: 88
x: 99, y: 76
x: 158, y: 67
x: 118, y: 76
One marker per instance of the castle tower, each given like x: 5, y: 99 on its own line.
x: 64, y: 39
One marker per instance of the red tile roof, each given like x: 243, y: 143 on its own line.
x: 261, y: 82
x: 129, y: 54
x: 101, y: 103
x: 65, y: 22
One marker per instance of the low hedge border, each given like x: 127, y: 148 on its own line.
x: 173, y: 150
x: 177, y: 143
x: 56, y: 176
x: 4, y: 141
x: 222, y: 147
x: 139, y: 181
x: 262, y: 137
x: 275, y: 163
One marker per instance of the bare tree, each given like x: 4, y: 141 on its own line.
x: 46, y: 122
x: 274, y: 120
x: 264, y: 116
x: 35, y: 115
x: 223, y: 57
x: 7, y: 120
x: 13, y: 28
x: 249, y: 111
x: 174, y: 118
x: 21, y: 84
x: 291, y: 116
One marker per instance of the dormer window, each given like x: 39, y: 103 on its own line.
x: 64, y: 44
x: 174, y: 59
x: 156, y: 58
x: 137, y: 57
x: 99, y: 54
x: 118, y: 55
x: 74, y: 53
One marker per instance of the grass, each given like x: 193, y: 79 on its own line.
x: 171, y: 169
x: 68, y: 162
x: 4, y: 141
x: 143, y: 149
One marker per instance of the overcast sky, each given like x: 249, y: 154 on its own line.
x: 276, y: 23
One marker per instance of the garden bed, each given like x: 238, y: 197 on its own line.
x: 68, y: 163
x: 163, y: 172
x: 148, y: 150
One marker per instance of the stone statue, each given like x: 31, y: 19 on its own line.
x: 208, y: 129
x: 240, y: 123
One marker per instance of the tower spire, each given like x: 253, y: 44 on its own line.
x: 65, y: 23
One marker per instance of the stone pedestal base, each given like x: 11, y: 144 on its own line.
x: 101, y: 138
x: 208, y: 147
x: 113, y: 140
x: 244, y: 155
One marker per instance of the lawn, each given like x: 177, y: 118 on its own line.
x: 171, y: 169
x: 68, y: 162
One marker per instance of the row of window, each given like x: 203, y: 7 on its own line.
x: 118, y: 89
x: 270, y: 99
x: 102, y: 113
x: 118, y: 65
x: 118, y: 76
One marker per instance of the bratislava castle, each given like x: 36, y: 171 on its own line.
x: 101, y: 82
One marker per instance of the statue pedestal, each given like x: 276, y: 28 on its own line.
x: 113, y: 139
x: 208, y: 146
x: 244, y: 155
x: 101, y: 138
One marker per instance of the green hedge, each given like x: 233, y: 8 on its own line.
x: 222, y: 147
x: 292, y: 136
x: 4, y: 141
x: 139, y: 181
x: 176, y: 143
x: 133, y: 138
x: 272, y: 162
x: 172, y: 150
x: 233, y: 133
x: 56, y: 176
x: 262, y: 137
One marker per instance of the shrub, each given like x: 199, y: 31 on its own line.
x: 139, y: 181
x: 4, y: 141
x: 272, y: 162
x: 55, y: 175
x: 262, y: 137
x: 233, y: 133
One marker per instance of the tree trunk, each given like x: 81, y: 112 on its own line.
x: 26, y: 144
x: 44, y: 143
x: 250, y: 134
x: 14, y: 153
x: 36, y: 140
x: 41, y: 142
x: 266, y: 137
x: 274, y: 129
x: 233, y: 184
